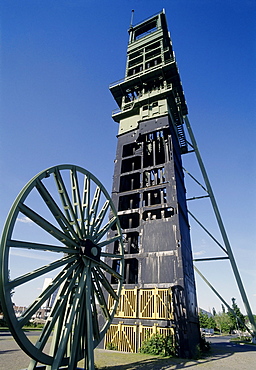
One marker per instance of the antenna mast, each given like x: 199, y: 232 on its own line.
x: 132, y: 18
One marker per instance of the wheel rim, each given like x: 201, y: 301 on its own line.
x: 67, y: 208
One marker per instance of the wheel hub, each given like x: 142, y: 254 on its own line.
x: 89, y: 249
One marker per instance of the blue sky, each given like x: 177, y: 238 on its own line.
x: 57, y: 61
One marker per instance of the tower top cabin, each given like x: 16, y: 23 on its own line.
x: 152, y: 85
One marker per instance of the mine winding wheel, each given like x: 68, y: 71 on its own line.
x: 58, y: 228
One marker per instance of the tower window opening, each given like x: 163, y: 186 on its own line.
x: 135, y: 61
x: 130, y: 201
x: 129, y: 221
x: 155, y: 148
x: 130, y: 96
x: 146, y: 29
x: 129, y: 182
x: 157, y: 214
x: 154, y: 85
x: 153, y: 46
x: 153, y: 54
x: 135, y: 54
x: 131, y: 271
x: 131, y: 164
x: 148, y: 155
x: 168, y: 57
x: 153, y: 62
x: 129, y: 149
x: 153, y: 197
x: 169, y: 212
x: 160, y: 149
x: 116, y: 247
x: 116, y: 268
x: 131, y: 243
x: 135, y: 70
x: 154, y: 177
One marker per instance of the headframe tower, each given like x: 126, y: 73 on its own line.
x: 149, y: 193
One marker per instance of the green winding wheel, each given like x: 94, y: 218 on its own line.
x: 58, y: 228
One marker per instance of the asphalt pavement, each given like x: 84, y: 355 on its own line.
x: 224, y: 354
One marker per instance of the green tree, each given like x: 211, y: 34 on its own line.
x: 223, y: 322
x: 238, y: 320
x: 203, y: 319
x: 211, y: 322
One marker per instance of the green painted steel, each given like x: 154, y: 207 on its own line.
x: 59, y: 225
x: 221, y: 228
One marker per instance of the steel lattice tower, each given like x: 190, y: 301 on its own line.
x: 149, y: 193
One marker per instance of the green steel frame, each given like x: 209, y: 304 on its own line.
x: 73, y: 213
x: 228, y: 250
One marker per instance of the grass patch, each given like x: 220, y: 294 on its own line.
x: 4, y: 329
x: 123, y: 361
x: 246, y: 340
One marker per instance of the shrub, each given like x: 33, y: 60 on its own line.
x: 111, y: 346
x: 246, y: 339
x: 158, y: 344
x: 205, y: 346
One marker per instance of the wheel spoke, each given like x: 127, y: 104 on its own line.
x: 89, y: 356
x: 105, y: 229
x: 100, y: 218
x: 104, y: 281
x: 100, y: 296
x: 95, y: 323
x: 76, y: 199
x: 94, y: 208
x: 55, y: 210
x: 47, y: 226
x: 58, y: 311
x: 108, y: 241
x: 52, y: 287
x: 40, y: 271
x: 76, y: 340
x: 108, y: 269
x: 111, y: 255
x: 86, y: 201
x: 66, y: 202
x: 37, y: 246
x: 68, y: 324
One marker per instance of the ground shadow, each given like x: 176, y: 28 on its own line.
x: 232, y: 347
x: 5, y: 334
x: 218, y: 351
x: 9, y: 350
x: 165, y: 363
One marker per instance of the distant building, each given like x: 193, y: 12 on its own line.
x: 49, y: 302
x: 19, y: 310
x: 209, y: 314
